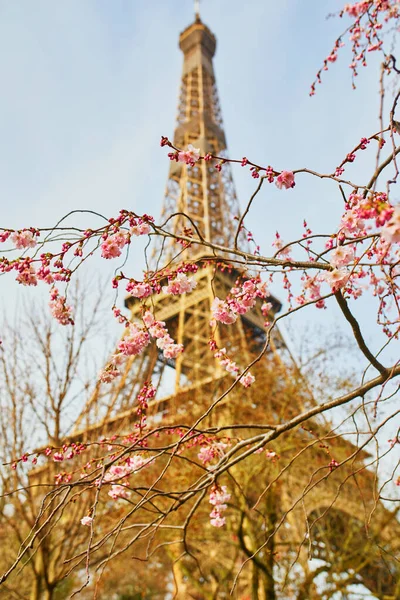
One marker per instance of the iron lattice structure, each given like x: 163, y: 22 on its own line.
x: 203, y: 194
x: 203, y: 197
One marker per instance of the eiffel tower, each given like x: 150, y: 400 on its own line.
x: 204, y: 197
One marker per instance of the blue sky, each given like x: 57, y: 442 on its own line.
x: 89, y: 87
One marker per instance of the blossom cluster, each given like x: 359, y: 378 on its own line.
x: 211, y: 451
x: 115, y: 241
x: 159, y: 331
x: 365, y: 34
x: 146, y: 394
x: 60, y: 310
x: 239, y: 301
x: 218, y: 498
x: 369, y: 227
x: 181, y: 284
x: 136, y: 340
x: 49, y: 267
x: 231, y: 367
x: 118, y: 475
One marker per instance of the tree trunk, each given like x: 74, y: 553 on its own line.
x: 48, y: 593
x: 35, y: 591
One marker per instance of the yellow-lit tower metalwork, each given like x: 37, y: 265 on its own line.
x: 201, y: 197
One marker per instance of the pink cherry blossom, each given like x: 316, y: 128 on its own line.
x: 217, y: 520
x: 44, y: 274
x: 4, y: 235
x: 59, y: 309
x: 136, y: 462
x: 228, y: 364
x: 341, y: 256
x: 390, y: 233
x: 284, y: 250
x: 131, y: 466
x: 158, y: 330
x: 351, y: 222
x: 139, y: 290
x: 206, y: 454
x: 336, y: 278
x: 354, y: 10
x: 148, y: 318
x: 113, y: 245
x: 169, y: 348
x: 190, y: 156
x: 222, y: 312
x: 119, y: 491
x: 115, y: 472
x: 247, y: 380
x: 285, y: 180
x: 312, y: 287
x: 218, y: 497
x: 271, y: 454
x: 108, y: 375
x: 266, y: 307
x: 134, y: 342
x: 27, y: 275
x: 141, y: 229
x: 180, y: 285
x: 87, y: 521
x: 23, y: 239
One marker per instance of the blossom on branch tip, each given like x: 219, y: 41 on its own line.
x: 271, y: 454
x: 59, y: 309
x: 266, y: 307
x: 4, y: 235
x: 285, y: 180
x: 87, y: 521
x: 283, y: 249
x: 219, y: 496
x: 208, y: 453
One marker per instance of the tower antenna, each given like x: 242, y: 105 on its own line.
x: 197, y: 9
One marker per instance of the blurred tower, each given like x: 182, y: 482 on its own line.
x: 202, y: 198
